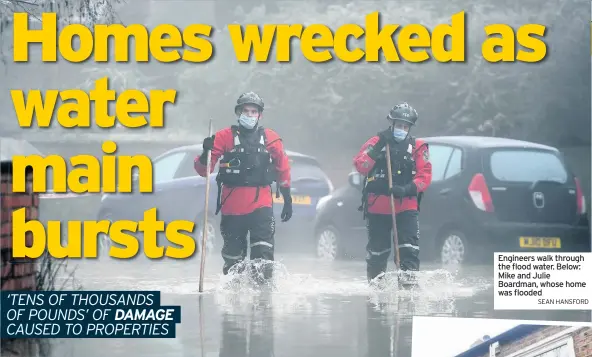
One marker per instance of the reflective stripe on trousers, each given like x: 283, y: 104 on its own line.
x: 232, y: 257
x: 266, y: 244
x: 381, y: 252
x: 408, y: 246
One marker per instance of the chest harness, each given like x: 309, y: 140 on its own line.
x: 248, y: 164
x: 404, y: 169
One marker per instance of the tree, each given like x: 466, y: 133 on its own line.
x: 332, y: 105
x: 87, y: 12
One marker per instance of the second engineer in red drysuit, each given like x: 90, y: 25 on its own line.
x: 412, y: 175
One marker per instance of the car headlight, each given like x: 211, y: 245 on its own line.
x: 323, y: 201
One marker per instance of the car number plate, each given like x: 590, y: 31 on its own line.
x: 296, y: 200
x: 540, y: 242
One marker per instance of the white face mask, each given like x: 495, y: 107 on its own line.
x: 248, y: 122
x: 399, y: 134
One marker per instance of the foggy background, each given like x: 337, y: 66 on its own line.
x: 325, y: 110
x: 328, y: 110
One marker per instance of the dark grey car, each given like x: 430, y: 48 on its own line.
x: 487, y: 194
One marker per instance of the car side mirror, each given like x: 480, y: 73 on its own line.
x: 355, y: 179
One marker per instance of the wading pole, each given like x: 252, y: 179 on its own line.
x: 204, y: 237
x: 389, y: 168
x: 201, y: 326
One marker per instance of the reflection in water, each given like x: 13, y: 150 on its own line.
x: 388, y: 331
x: 382, y: 336
x: 317, y: 311
x: 249, y: 335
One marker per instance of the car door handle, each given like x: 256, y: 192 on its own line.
x: 445, y: 191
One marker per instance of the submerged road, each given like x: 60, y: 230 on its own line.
x: 319, y: 309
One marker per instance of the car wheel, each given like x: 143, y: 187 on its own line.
x: 104, y: 242
x: 328, y: 244
x: 453, y: 248
x: 213, y: 241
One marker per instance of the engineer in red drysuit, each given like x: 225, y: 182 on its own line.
x: 252, y: 158
x: 412, y: 175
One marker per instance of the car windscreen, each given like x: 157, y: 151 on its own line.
x: 515, y: 165
x: 307, y: 170
x: 187, y: 169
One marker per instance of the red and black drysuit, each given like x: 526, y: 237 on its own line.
x: 412, y: 172
x: 250, y: 161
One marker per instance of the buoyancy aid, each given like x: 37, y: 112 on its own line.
x: 248, y: 164
x: 403, y: 171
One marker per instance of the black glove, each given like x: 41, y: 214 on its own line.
x: 287, y: 209
x: 408, y: 190
x: 207, y: 145
x: 384, y: 137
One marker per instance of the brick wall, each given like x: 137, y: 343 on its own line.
x: 17, y: 274
x: 582, y: 341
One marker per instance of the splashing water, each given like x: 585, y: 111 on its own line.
x: 436, y: 290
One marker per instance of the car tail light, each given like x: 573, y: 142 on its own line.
x: 581, y: 200
x: 480, y: 193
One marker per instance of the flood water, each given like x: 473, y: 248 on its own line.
x: 318, y: 309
